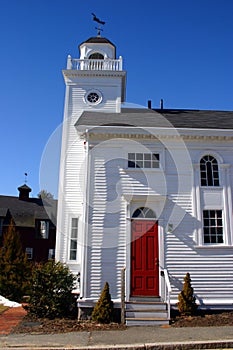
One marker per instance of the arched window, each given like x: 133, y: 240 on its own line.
x: 209, y: 171
x: 96, y: 56
x: 144, y: 213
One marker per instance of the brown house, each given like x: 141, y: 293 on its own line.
x: 34, y: 220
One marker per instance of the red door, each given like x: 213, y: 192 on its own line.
x: 144, y: 258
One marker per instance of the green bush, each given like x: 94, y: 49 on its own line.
x: 51, y: 294
x: 103, y: 311
x: 187, y: 301
x: 15, y: 269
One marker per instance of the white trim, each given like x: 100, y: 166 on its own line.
x: 93, y: 51
x: 151, y: 201
x: 210, y: 152
x: 92, y: 104
x: 85, y: 226
x: 74, y: 261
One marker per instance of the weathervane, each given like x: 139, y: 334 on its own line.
x: 25, y: 179
x: 96, y: 19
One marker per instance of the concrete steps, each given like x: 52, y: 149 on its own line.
x: 146, y: 312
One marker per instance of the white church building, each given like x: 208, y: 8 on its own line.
x: 145, y: 195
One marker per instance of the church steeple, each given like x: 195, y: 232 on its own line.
x: 98, y: 68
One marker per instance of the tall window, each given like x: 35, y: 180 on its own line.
x: 209, y: 171
x: 143, y: 160
x: 213, y: 226
x: 73, y: 239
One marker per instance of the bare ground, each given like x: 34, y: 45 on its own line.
x: 46, y: 326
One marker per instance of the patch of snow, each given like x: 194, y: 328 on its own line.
x: 6, y: 302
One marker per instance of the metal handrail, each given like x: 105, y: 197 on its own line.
x: 123, y: 295
x: 168, y: 292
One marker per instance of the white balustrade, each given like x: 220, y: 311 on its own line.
x: 92, y: 64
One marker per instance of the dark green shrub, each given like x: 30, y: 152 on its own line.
x: 103, y: 311
x: 14, y: 267
x: 187, y: 301
x: 51, y: 294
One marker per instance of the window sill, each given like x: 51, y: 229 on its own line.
x: 216, y: 246
x: 212, y: 187
x: 138, y: 170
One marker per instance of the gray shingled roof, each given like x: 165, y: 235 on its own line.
x: 98, y: 40
x: 200, y: 119
x: 25, y: 212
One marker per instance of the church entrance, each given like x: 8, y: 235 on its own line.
x: 144, y: 254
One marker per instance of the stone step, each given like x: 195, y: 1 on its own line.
x: 145, y: 305
x: 146, y: 314
x: 146, y: 299
x: 143, y: 321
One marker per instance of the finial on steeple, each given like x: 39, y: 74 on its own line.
x: 26, y: 178
x: 96, y: 19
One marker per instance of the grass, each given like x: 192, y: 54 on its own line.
x: 3, y: 308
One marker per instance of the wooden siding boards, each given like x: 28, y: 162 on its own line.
x: 106, y: 251
x: 210, y: 268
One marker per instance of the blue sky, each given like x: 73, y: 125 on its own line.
x: 178, y: 50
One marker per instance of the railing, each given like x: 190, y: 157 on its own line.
x: 168, y: 291
x: 86, y: 64
x: 123, y: 296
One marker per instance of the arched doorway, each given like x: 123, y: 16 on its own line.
x: 144, y: 253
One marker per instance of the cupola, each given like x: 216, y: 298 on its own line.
x: 24, y: 191
x: 97, y: 48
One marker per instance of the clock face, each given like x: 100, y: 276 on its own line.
x: 93, y: 97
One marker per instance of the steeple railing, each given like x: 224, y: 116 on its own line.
x: 94, y: 64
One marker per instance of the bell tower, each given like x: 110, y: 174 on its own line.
x: 96, y: 77
x: 94, y: 82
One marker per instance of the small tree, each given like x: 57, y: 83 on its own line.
x: 51, y: 295
x: 43, y: 194
x: 187, y: 301
x: 103, y: 311
x: 14, y: 266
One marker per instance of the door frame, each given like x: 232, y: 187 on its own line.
x: 130, y: 206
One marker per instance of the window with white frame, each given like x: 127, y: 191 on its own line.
x: 143, y: 160
x: 29, y: 253
x: 73, y: 239
x: 209, y: 171
x: 43, y: 229
x: 51, y: 254
x: 213, y: 226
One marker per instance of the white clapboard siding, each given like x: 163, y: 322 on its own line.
x: 210, y: 269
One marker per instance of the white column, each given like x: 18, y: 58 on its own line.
x: 197, y: 209
x: 227, y: 203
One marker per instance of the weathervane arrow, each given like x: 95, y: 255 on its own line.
x: 96, y: 19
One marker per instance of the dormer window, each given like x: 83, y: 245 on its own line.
x: 96, y: 56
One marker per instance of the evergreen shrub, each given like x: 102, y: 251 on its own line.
x: 15, y: 269
x: 103, y: 311
x: 51, y: 295
x: 186, y: 299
